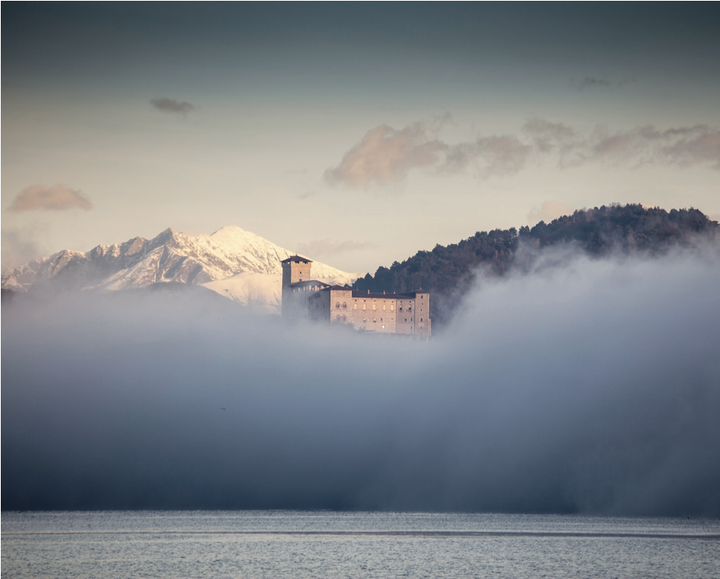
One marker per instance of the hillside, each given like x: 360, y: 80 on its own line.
x: 448, y: 271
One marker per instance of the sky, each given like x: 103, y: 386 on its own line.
x: 356, y: 134
x: 581, y: 385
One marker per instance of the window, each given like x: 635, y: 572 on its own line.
x: 364, y: 306
x: 405, y: 319
x: 354, y: 306
x: 421, y: 319
x: 392, y: 307
x: 374, y: 320
x: 381, y: 321
x: 392, y: 319
x: 400, y: 309
x: 374, y: 307
x: 409, y: 308
x: 383, y: 307
x: 344, y: 306
x: 337, y: 306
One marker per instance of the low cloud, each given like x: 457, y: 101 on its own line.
x: 167, y: 105
x: 582, y: 386
x: 56, y: 198
x: 548, y: 211
x: 331, y: 247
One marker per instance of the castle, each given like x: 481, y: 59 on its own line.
x: 388, y: 313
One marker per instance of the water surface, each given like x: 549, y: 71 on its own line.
x: 260, y: 544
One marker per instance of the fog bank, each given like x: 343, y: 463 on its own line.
x: 581, y: 386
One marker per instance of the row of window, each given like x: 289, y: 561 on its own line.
x: 364, y: 307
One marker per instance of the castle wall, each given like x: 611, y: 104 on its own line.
x: 422, y: 314
x: 374, y: 313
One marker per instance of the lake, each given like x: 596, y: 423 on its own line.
x: 272, y: 544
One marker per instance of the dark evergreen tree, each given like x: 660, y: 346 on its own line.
x: 448, y: 271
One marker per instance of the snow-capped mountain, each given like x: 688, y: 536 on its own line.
x: 233, y: 262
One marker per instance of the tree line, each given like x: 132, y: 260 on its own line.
x: 447, y: 272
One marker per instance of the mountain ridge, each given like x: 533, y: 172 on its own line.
x: 171, y: 256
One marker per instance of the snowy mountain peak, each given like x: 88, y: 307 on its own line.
x: 230, y: 261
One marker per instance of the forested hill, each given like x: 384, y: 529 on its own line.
x: 447, y: 272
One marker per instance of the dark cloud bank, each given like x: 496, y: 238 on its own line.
x: 580, y: 386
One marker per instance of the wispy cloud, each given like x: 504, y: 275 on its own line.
x: 172, y: 106
x: 686, y: 146
x: 331, y: 247
x: 386, y: 155
x: 56, y: 197
x: 496, y: 155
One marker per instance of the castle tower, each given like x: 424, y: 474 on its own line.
x: 295, y: 269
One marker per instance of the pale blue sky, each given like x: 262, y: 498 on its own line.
x: 494, y: 115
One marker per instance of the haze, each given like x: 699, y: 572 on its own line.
x: 579, y: 386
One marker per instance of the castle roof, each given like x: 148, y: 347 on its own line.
x: 296, y: 259
x: 376, y: 295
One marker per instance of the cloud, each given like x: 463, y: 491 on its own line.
x: 588, y: 386
x: 703, y: 146
x: 685, y: 146
x: 385, y: 155
x: 56, y: 197
x: 548, y: 211
x: 549, y: 136
x: 167, y: 105
x: 497, y: 155
x: 331, y: 247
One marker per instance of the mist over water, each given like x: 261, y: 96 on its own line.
x: 579, y: 386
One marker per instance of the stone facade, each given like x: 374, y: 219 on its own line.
x: 387, y: 313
